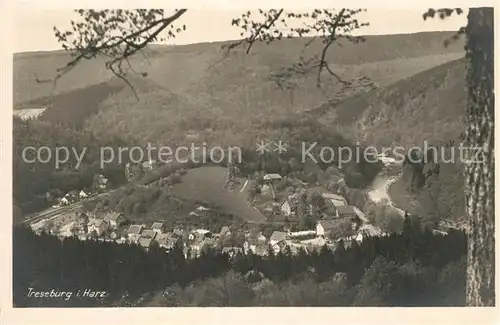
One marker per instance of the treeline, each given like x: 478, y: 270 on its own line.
x: 412, y: 268
x: 327, y: 147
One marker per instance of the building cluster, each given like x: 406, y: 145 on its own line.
x: 58, y: 198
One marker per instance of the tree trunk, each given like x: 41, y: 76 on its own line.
x: 479, y: 171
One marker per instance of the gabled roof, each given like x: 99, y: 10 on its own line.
x: 134, y: 229
x: 157, y: 225
x: 278, y: 236
x: 148, y: 233
x: 145, y: 242
x: 271, y: 177
x: 201, y: 231
x: 346, y: 209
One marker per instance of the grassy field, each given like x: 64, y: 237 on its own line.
x: 207, y: 184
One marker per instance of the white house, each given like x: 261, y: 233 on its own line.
x: 324, y: 227
x: 272, y: 177
x: 64, y: 201
x: 82, y: 195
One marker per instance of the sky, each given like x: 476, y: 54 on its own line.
x: 34, y: 26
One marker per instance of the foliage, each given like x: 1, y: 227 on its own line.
x: 406, y: 269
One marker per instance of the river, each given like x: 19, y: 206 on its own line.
x: 379, y: 190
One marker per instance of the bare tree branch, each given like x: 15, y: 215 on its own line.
x: 94, y: 37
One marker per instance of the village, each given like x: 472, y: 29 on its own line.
x: 336, y: 221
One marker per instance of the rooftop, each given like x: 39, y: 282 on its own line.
x: 157, y: 225
x: 148, y: 233
x: 134, y: 229
x: 278, y: 236
x: 346, y: 209
x: 271, y: 177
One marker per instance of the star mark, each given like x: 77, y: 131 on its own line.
x: 262, y: 147
x: 280, y: 147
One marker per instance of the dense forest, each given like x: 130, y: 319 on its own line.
x: 412, y: 268
x: 33, y: 180
x: 434, y: 182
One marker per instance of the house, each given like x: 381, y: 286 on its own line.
x: 157, y: 227
x: 349, y: 211
x: 336, y: 200
x: 114, y: 219
x: 272, y: 177
x: 82, y: 195
x: 145, y: 242
x: 278, y: 246
x: 134, y: 229
x: 266, y: 190
x: 97, y: 225
x: 286, y: 208
x: 72, y: 196
x: 202, y: 233
x: 166, y: 241
x: 324, y: 227
x: 148, y: 233
x: 368, y: 231
x: 64, y: 201
x: 277, y: 237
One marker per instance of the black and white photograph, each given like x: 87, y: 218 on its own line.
x: 301, y: 157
